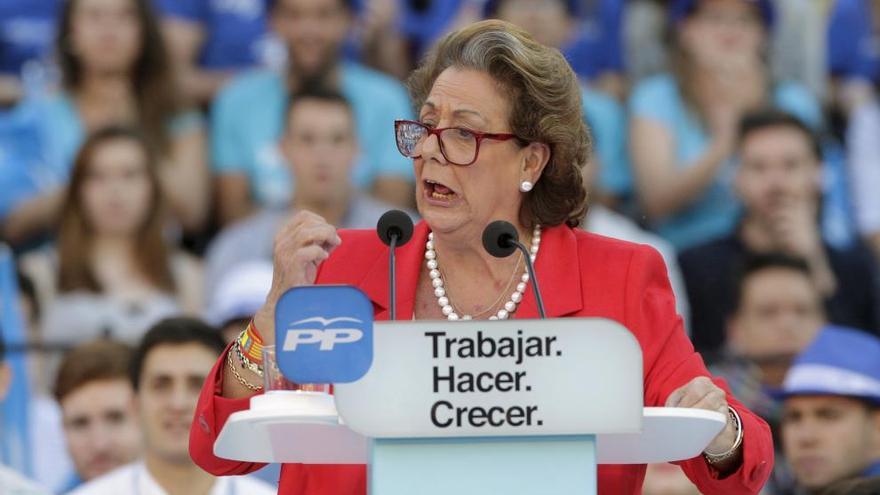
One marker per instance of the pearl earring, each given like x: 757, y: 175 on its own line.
x: 526, y: 186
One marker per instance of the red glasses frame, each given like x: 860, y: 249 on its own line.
x: 479, y: 136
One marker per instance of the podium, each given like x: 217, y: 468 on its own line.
x: 476, y: 407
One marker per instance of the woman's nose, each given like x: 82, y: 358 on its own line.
x: 431, y: 149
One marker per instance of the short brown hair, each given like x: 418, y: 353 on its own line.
x: 93, y: 361
x: 545, y: 99
x: 767, y: 118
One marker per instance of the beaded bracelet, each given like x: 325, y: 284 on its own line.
x: 716, y: 458
x: 241, y: 379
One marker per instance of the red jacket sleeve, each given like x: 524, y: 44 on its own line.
x: 670, y: 362
x: 211, y: 414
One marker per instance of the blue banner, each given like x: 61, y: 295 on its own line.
x: 14, y: 424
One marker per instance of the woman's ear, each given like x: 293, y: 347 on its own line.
x: 536, y: 156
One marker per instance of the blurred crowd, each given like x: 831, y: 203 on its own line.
x: 150, y: 150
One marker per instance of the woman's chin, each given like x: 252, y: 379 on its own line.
x: 443, y: 219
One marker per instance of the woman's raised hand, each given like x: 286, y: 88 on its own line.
x: 300, y: 246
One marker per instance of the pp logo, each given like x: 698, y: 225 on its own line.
x: 317, y: 331
x: 324, y: 334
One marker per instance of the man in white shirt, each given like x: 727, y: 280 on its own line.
x: 168, y: 370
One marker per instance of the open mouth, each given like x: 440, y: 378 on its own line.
x: 438, y: 191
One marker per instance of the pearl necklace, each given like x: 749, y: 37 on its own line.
x: 440, y: 291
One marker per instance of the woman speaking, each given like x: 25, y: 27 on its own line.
x: 499, y: 137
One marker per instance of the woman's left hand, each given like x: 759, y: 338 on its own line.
x: 701, y: 393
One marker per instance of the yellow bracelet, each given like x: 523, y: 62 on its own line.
x: 250, y: 344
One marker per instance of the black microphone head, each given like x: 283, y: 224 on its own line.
x: 497, y: 237
x: 395, y: 223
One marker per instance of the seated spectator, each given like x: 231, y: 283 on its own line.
x: 248, y: 115
x: 167, y: 372
x: 114, y: 72
x: 853, y: 40
x: 863, y: 149
x: 778, y: 181
x: 239, y: 294
x: 797, y: 47
x: 97, y: 407
x: 777, y: 313
x: 210, y: 41
x: 320, y: 143
x: 111, y: 271
x: 604, y: 115
x: 27, y: 28
x: 10, y: 481
x: 831, y: 411
x: 683, y: 130
x: 589, y: 34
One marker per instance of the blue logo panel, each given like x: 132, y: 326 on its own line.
x: 324, y: 334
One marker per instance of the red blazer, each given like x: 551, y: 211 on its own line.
x: 581, y: 274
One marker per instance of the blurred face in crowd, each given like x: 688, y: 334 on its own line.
x: 169, y: 388
x: 777, y: 170
x: 829, y: 438
x: 105, y: 35
x: 722, y: 32
x: 313, y: 31
x: 100, y: 426
x: 779, y: 315
x: 321, y: 147
x: 546, y: 20
x: 452, y: 197
x: 116, y: 193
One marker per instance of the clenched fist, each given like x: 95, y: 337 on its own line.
x: 300, y: 246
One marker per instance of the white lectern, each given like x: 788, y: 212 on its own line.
x: 476, y: 407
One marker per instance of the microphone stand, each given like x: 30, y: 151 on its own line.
x: 392, y: 276
x: 531, y: 268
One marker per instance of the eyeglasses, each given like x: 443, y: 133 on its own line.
x: 458, y: 145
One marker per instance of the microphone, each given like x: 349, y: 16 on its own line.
x: 395, y: 228
x: 500, y: 239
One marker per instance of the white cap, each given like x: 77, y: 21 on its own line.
x: 240, y: 293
